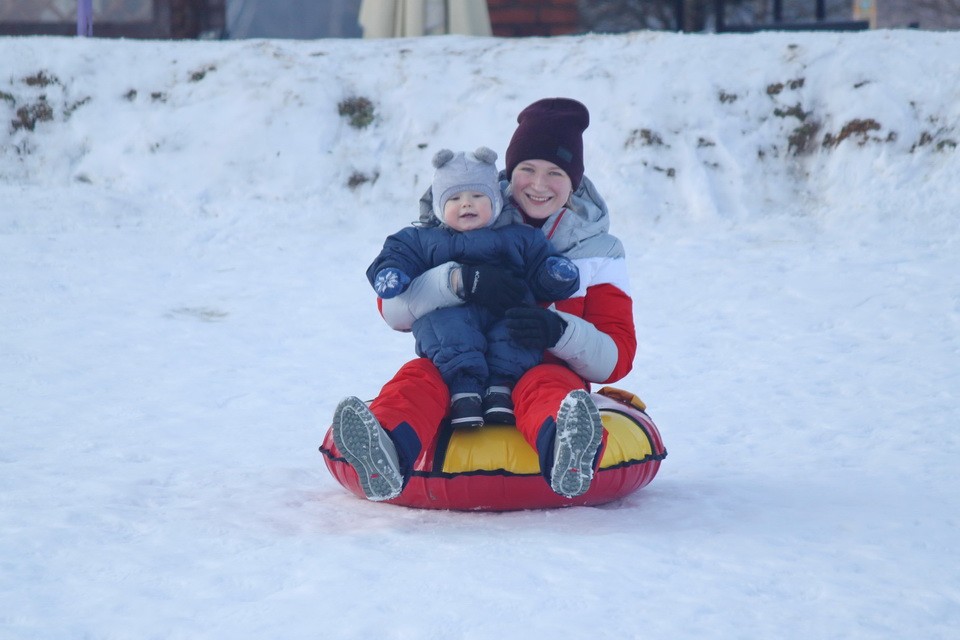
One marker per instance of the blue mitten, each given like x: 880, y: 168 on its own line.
x: 390, y: 282
x: 562, y: 269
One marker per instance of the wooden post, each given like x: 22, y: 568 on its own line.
x: 866, y: 10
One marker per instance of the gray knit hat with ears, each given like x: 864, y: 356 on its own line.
x: 457, y: 172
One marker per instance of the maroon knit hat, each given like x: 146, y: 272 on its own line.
x: 551, y: 129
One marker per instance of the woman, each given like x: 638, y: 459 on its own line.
x: 587, y: 338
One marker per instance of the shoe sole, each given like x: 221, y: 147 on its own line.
x: 579, y: 432
x: 467, y: 423
x: 364, y: 444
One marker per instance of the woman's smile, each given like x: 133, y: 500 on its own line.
x: 540, y: 188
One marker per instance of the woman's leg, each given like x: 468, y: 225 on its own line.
x: 538, y: 395
x: 382, y: 442
x: 411, y: 407
x: 558, y: 418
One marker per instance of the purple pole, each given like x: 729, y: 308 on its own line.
x: 85, y: 18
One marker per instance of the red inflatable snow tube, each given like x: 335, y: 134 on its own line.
x: 495, y: 469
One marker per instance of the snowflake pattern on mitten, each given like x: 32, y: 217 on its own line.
x: 390, y: 282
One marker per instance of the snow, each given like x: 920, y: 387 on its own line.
x: 183, y: 304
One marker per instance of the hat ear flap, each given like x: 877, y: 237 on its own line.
x: 485, y: 154
x: 442, y: 157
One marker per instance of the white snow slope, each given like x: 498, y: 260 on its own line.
x: 182, y: 305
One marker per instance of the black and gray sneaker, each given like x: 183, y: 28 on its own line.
x: 498, y: 406
x: 368, y: 449
x: 579, y: 432
x: 466, y: 410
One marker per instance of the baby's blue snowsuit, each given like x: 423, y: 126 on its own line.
x: 467, y: 343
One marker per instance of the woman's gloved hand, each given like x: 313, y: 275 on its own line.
x: 534, y: 328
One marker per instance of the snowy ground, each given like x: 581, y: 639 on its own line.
x: 182, y: 304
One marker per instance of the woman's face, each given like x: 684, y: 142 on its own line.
x: 541, y: 188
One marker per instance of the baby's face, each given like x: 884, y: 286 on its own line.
x: 468, y: 210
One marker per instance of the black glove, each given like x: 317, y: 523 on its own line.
x: 491, y: 286
x: 534, y: 328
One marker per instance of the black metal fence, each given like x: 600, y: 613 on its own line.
x: 779, y: 24
x: 617, y: 16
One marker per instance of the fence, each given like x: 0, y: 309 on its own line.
x: 778, y: 24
